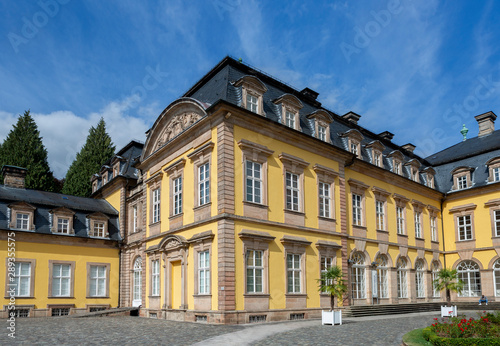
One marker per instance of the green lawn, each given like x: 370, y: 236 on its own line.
x: 415, y: 338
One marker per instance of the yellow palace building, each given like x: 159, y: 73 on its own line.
x: 246, y: 189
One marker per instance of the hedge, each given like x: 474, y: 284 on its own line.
x: 440, y: 341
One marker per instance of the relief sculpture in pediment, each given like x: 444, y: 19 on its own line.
x: 175, y: 126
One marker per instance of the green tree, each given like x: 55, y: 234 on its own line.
x: 332, y: 282
x: 448, y: 279
x: 23, y: 147
x: 95, y: 152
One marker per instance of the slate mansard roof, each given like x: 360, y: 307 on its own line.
x: 45, y: 202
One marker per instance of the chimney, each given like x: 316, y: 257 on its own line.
x: 386, y: 135
x: 409, y: 147
x: 14, y: 176
x: 486, y: 122
x: 352, y: 117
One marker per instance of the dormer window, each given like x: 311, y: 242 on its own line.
x: 396, y: 158
x: 322, y: 121
x: 252, y: 91
x: 322, y: 133
x: 22, y: 221
x: 98, y: 225
x: 62, y: 220
x: 289, y: 107
x: 376, y: 150
x: 462, y: 178
x: 354, y: 138
x: 429, y: 174
x: 414, y: 169
x: 22, y: 216
x: 493, y: 169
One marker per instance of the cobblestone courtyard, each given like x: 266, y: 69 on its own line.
x: 384, y: 330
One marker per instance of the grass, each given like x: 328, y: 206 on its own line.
x: 415, y: 338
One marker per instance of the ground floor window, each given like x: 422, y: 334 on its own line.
x: 402, y: 277
x: 420, y: 278
x: 382, y: 275
x: 496, y: 277
x: 358, y: 277
x: 468, y: 272
x: 435, y: 272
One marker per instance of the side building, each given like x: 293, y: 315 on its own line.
x: 61, y: 252
x: 246, y: 189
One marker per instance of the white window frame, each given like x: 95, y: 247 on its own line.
x: 254, y: 271
x: 462, y: 182
x: 469, y: 272
x: 156, y: 205
x: 418, y: 224
x: 22, y: 280
x: 293, y: 201
x: 357, y: 209
x: 322, y: 133
x: 290, y: 119
x: 22, y: 221
x: 435, y: 274
x: 252, y: 103
x: 294, y: 273
x: 358, y: 276
x: 63, y: 225
x: 496, y: 173
x: 99, y: 279
x: 177, y: 195
x: 402, y: 277
x: 434, y: 229
x: 57, y: 276
x: 496, y: 277
x: 204, y: 272
x: 204, y: 183
x: 420, y: 278
x: 401, y: 222
x: 464, y: 225
x: 496, y: 222
x: 99, y: 229
x: 134, y: 219
x: 155, y: 277
x: 253, y: 182
x: 383, y: 276
x: 137, y: 280
x: 380, y: 214
x: 325, y: 199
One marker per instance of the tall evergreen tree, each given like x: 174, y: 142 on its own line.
x: 23, y: 147
x: 96, y: 151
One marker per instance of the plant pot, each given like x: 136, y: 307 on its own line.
x: 331, y: 317
x: 449, y: 311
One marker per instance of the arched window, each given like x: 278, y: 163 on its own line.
x: 468, y: 272
x: 402, y: 274
x: 420, y: 278
x: 358, y: 276
x: 496, y: 277
x: 137, y: 282
x: 435, y: 272
x: 382, y: 275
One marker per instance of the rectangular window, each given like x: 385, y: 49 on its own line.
x: 22, y: 221
x: 22, y: 279
x: 204, y: 183
x: 380, y: 215
x: 324, y: 200
x: 354, y: 148
x: 326, y: 263
x: 402, y: 284
x: 252, y: 103
x: 496, y: 215
x: 293, y: 273
x: 156, y: 205
x: 134, y: 220
x: 356, y: 210
x: 376, y: 159
x: 290, y: 119
x: 419, y: 281
x: 462, y: 182
x: 61, y: 280
x: 63, y: 225
x: 97, y: 281
x: 434, y: 234
x: 204, y: 272
x: 177, y: 184
x: 255, y: 270
x: 464, y: 227
x: 155, y: 278
x: 435, y: 292
x: 397, y: 167
x: 418, y: 224
x: 99, y: 229
x: 496, y: 174
x: 292, y: 191
x: 322, y: 133
x: 400, y: 211
x: 253, y: 182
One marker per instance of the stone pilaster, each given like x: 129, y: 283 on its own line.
x: 226, y: 266
x: 225, y: 167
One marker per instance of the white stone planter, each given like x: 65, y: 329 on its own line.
x: 331, y: 317
x: 449, y: 311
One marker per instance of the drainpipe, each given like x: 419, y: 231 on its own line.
x: 442, y: 230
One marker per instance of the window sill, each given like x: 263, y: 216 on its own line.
x: 202, y: 295
x: 382, y: 231
x: 18, y: 297
x: 157, y: 296
x: 257, y: 205
x: 359, y: 227
x: 97, y: 297
x: 202, y: 206
x: 419, y: 238
x: 61, y: 297
x: 295, y: 295
x: 435, y: 241
x: 403, y: 235
x: 175, y: 216
x: 154, y: 224
x: 465, y: 241
x: 294, y: 212
x: 327, y: 218
x: 256, y: 295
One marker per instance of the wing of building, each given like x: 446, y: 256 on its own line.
x: 247, y: 189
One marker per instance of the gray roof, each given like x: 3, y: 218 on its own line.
x: 12, y: 194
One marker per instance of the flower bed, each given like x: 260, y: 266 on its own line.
x: 484, y: 330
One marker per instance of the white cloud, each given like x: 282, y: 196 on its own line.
x: 64, y: 133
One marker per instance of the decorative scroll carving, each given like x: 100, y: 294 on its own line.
x: 175, y: 126
x: 172, y: 243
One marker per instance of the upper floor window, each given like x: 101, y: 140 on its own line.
x: 98, y: 280
x: 414, y: 167
x: 354, y: 138
x: 177, y: 195
x: 201, y: 159
x: 380, y: 214
x: 204, y: 183
x: 418, y: 224
x: 292, y: 191
x: 156, y: 205
x: 293, y: 174
x: 429, y: 174
x: 396, y: 158
x: 22, y: 279
x: 326, y: 190
x: 400, y: 215
x: 252, y: 91
x: 22, y: 215
x: 22, y: 221
x: 62, y: 220
x: 98, y: 225
x: 434, y: 234
x: 376, y: 148
x: 288, y: 109
x: 63, y: 225
x: 322, y: 133
x: 322, y: 121
x: 355, y: 148
x: 290, y: 119
x: 324, y: 199
x: 464, y: 227
x: 464, y: 221
x: 493, y: 169
x: 99, y: 229
x: 61, y: 280
x: 175, y: 174
x: 357, y: 210
x: 462, y: 178
x: 135, y: 219
x: 253, y: 182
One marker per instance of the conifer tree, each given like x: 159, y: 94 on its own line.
x: 23, y: 147
x: 95, y: 152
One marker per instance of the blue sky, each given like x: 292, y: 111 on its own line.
x: 419, y: 69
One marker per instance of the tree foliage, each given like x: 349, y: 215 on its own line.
x: 332, y: 282
x: 23, y: 147
x: 448, y: 279
x: 95, y: 152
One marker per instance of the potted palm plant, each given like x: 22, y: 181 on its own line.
x: 332, y: 283
x: 448, y: 279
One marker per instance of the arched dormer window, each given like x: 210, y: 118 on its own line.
x: 354, y: 138
x: 322, y: 121
x: 376, y: 149
x: 396, y: 158
x: 493, y: 169
x: 429, y: 174
x: 252, y: 93
x: 462, y: 177
x: 413, y: 169
x: 289, y: 107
